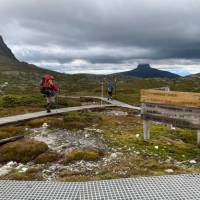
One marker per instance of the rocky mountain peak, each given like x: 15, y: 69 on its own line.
x: 146, y: 71
x: 5, y: 50
x: 143, y: 66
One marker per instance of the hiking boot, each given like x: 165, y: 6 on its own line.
x: 53, y: 106
x: 48, y: 110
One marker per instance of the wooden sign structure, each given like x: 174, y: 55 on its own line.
x: 181, y: 109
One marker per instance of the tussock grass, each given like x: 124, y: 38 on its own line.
x: 47, y: 157
x: 66, y: 102
x: 53, y: 122
x: 79, y: 120
x: 87, y: 155
x: 21, y: 151
x: 77, y: 178
x: 9, y: 131
x: 71, y: 120
x: 32, y: 174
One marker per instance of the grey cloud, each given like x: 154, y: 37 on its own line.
x: 91, y: 54
x: 123, y: 30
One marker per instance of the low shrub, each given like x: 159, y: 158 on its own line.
x: 61, y: 101
x: 8, y: 101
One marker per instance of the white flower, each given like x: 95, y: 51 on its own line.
x: 45, y: 125
x: 169, y: 170
x: 193, y: 161
x: 24, y: 169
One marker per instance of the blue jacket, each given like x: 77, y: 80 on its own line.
x: 110, y: 87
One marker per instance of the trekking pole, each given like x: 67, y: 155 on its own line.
x: 115, y: 87
x: 101, y: 92
x: 57, y: 101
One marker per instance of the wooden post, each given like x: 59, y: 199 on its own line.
x: 115, y: 87
x: 11, y: 139
x: 198, y: 138
x: 146, y: 129
x: 169, y: 126
x: 167, y: 89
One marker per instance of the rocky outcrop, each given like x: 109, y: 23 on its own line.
x: 5, y: 50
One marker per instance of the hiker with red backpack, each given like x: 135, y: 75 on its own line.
x: 49, y: 88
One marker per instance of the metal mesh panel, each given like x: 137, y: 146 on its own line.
x: 23, y: 190
x: 149, y: 188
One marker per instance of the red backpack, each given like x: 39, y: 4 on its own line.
x: 47, y: 82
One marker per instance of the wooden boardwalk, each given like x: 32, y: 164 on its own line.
x: 29, y: 116
x: 113, y: 102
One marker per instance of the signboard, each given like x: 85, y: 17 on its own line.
x: 178, y: 116
x: 181, y: 109
x: 183, y: 99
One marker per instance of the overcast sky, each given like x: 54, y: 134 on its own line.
x: 104, y: 36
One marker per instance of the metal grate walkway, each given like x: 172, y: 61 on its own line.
x: 186, y: 187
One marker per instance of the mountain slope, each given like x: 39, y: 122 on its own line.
x: 5, y: 51
x: 146, y: 71
x: 10, y: 65
x: 22, y: 77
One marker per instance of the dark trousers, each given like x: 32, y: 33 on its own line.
x: 109, y: 95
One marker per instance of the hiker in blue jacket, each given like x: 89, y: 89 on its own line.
x: 110, y: 90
